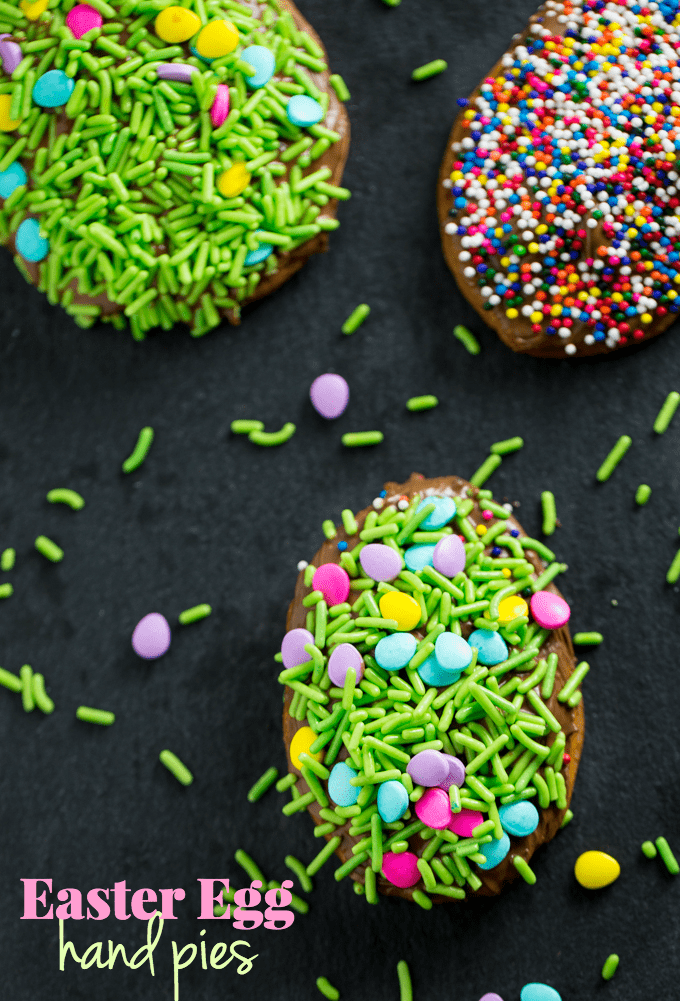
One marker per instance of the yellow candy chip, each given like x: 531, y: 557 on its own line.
x: 6, y: 123
x: 233, y: 181
x: 177, y: 24
x: 218, y: 38
x: 402, y: 607
x: 511, y: 608
x: 596, y: 869
x: 35, y: 9
x: 300, y: 744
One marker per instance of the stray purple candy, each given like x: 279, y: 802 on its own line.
x: 151, y: 636
x: 380, y: 562
x: 329, y: 394
x: 181, y: 72
x: 10, y: 53
x: 428, y: 768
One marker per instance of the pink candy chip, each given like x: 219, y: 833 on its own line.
x: 151, y: 637
x: 343, y: 657
x: 83, y: 18
x: 329, y: 394
x: 464, y: 823
x: 220, y: 106
x: 401, y: 870
x: 434, y: 809
x: 293, y: 647
x: 333, y: 582
x: 549, y: 610
x: 449, y: 556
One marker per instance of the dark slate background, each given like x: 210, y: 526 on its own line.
x: 213, y: 518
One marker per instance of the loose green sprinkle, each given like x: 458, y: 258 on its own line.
x: 194, y: 614
x: 260, y: 787
x: 429, y: 69
x: 6, y: 590
x: 524, y: 869
x: 50, y: 550
x: 404, y: 976
x: 569, y: 816
x: 175, y: 766
x: 587, y: 639
x: 507, y: 446
x: 549, y: 512
x: 614, y: 458
x: 299, y: 870
x: 339, y: 86
x: 273, y: 437
x: 99, y: 716
x: 674, y: 569
x: 140, y: 452
x: 286, y: 782
x: 573, y: 681
x: 249, y: 865
x: 649, y: 849
x: 246, y: 426
x: 323, y: 856
x: 417, y: 403
x: 467, y: 339
x: 667, y: 856
x: 27, y: 693
x: 665, y: 415
x: 9, y: 680
x: 642, y: 494
x: 327, y: 989
x: 358, y: 439
x: 355, y: 318
x: 63, y: 496
x: 422, y: 900
x: 610, y: 967
x: 7, y: 560
x: 40, y: 696
x: 489, y: 466
x: 297, y: 903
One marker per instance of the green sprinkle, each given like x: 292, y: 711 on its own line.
x: 489, y: 466
x: 359, y: 439
x: 6, y: 590
x: 610, y: 967
x: 273, y: 437
x: 573, y: 682
x: 50, y: 550
x: 642, y: 494
x: 549, y: 512
x: 260, y: 787
x: 422, y: 900
x: 327, y: 989
x: 249, y: 865
x: 649, y: 849
x: 507, y: 446
x: 429, y: 69
x: 297, y: 903
x: 299, y: 870
x: 7, y: 560
x: 524, y: 869
x: 246, y: 426
x: 100, y: 716
x: 667, y: 856
x: 175, y: 766
x: 614, y: 458
x: 286, y: 782
x: 568, y: 817
x: 323, y: 856
x: 587, y: 639
x: 404, y: 977
x: 40, y: 696
x: 356, y: 318
x: 27, y: 694
x: 141, y: 450
x: 417, y: 403
x: 194, y: 614
x: 63, y: 496
x: 339, y: 86
x: 10, y: 681
x: 674, y: 569
x: 665, y: 415
x: 467, y: 339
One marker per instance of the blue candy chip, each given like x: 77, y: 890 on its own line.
x: 392, y: 801
x: 339, y: 788
x: 433, y: 673
x: 259, y: 255
x: 302, y: 110
x: 11, y: 179
x: 52, y: 89
x: 263, y: 62
x: 491, y: 647
x: 395, y: 651
x: 519, y: 818
x: 445, y: 509
x: 417, y: 557
x: 29, y: 243
x: 453, y: 653
x: 494, y: 852
x: 539, y: 992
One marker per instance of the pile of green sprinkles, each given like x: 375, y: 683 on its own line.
x: 495, y: 719
x: 124, y: 177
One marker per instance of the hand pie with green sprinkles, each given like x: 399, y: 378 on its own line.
x: 436, y: 752
x: 149, y: 172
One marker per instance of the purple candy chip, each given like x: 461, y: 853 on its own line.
x: 329, y: 394
x: 456, y: 776
x: 10, y: 53
x: 449, y: 556
x: 151, y: 636
x: 491, y: 997
x: 428, y: 768
x: 293, y: 647
x: 181, y: 72
x: 380, y: 562
x: 343, y: 657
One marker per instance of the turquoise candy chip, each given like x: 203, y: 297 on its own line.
x: 263, y: 62
x: 52, y: 89
x: 453, y: 653
x: 417, y: 557
x: 339, y: 788
x: 433, y: 673
x: 494, y: 852
x: 491, y: 648
x: 302, y: 110
x: 395, y: 651
x: 392, y: 801
x: 539, y: 992
x: 443, y: 513
x: 259, y: 255
x: 11, y: 179
x: 29, y: 243
x: 519, y: 819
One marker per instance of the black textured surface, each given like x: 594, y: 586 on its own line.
x: 213, y: 518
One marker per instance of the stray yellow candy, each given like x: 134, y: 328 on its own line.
x: 177, y: 24
x: 233, y: 181
x: 35, y: 9
x: 218, y: 38
x: 300, y: 744
x: 6, y: 123
x: 511, y: 608
x: 402, y: 607
x: 596, y: 869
